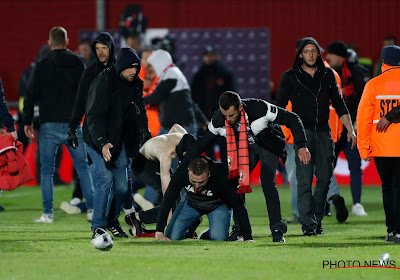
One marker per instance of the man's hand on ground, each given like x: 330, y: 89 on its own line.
x: 161, y: 236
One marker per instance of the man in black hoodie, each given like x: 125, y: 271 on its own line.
x: 54, y: 86
x: 310, y: 86
x: 117, y: 124
x: 103, y: 48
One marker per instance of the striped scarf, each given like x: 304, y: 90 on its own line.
x: 239, y: 168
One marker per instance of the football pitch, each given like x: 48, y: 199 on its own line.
x: 63, y: 250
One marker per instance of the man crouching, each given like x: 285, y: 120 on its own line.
x: 208, y: 192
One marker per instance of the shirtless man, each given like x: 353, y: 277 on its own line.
x: 161, y: 149
x: 153, y: 164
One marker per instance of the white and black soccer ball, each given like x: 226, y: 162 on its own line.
x: 102, y: 241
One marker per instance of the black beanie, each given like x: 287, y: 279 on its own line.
x: 127, y: 58
x: 391, y: 55
x: 184, y: 145
x: 338, y: 47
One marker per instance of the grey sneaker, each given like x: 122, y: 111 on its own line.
x: 45, y: 218
x: 397, y: 238
x: 295, y: 220
x: 69, y: 209
x: 390, y: 237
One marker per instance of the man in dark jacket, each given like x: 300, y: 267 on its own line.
x: 55, y: 83
x: 103, y: 48
x: 117, y: 123
x: 266, y: 144
x: 208, y: 192
x: 310, y: 86
x: 353, y: 81
x: 210, y: 81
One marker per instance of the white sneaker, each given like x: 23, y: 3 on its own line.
x: 89, y: 215
x: 69, y: 209
x: 142, y: 202
x: 358, y: 210
x: 75, y: 201
x: 45, y: 218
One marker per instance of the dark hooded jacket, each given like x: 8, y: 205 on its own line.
x: 209, y: 83
x: 115, y: 109
x: 88, y: 77
x: 310, y: 103
x: 54, y: 86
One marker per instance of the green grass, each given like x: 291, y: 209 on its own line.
x: 63, y: 250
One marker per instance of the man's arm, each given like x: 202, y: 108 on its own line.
x: 365, y: 117
x: 393, y: 116
x: 144, y: 121
x: 80, y: 101
x: 165, y: 167
x: 97, y: 112
x: 351, y: 135
x: 31, y: 98
x: 161, y: 92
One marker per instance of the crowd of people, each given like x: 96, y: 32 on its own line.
x: 135, y: 119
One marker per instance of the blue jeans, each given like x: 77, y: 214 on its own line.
x: 51, y: 135
x: 185, y: 215
x: 111, y: 180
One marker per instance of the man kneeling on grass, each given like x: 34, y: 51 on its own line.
x: 208, y: 192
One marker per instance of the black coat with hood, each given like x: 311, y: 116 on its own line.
x: 54, y: 86
x: 88, y: 77
x: 311, y: 107
x: 115, y: 109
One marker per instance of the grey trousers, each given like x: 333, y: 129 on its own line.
x: 311, y: 205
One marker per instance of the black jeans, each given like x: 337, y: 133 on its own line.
x: 269, y: 164
x: 311, y: 206
x: 389, y: 172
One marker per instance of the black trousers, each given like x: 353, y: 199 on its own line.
x: 269, y: 164
x: 389, y: 172
x: 311, y: 206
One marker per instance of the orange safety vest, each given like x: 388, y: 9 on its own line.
x: 381, y: 94
x: 334, y: 122
x: 152, y: 111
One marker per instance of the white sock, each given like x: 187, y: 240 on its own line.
x: 129, y: 211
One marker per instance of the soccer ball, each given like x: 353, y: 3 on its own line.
x: 102, y: 241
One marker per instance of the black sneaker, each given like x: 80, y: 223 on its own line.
x: 319, y: 230
x: 205, y: 235
x: 116, y: 230
x: 2, y: 208
x: 309, y: 232
x: 341, y: 211
x: 277, y: 236
x: 390, y: 237
x: 135, y: 226
x: 235, y: 235
x: 98, y: 231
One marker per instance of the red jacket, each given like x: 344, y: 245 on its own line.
x: 14, y: 170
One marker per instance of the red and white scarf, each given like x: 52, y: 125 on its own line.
x: 238, y: 159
